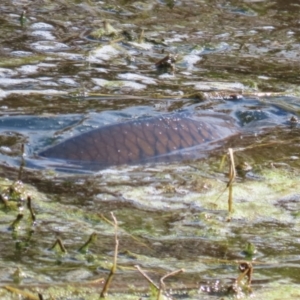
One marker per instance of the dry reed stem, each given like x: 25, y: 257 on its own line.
x: 162, y: 285
x: 232, y: 175
x: 147, y: 277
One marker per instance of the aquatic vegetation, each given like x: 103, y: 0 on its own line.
x: 235, y: 235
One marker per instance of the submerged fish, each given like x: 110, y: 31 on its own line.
x: 170, y: 137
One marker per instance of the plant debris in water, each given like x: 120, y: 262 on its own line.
x: 69, y: 66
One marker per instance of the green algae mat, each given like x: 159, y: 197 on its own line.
x: 155, y: 231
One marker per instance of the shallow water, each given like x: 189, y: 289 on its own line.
x: 72, y: 66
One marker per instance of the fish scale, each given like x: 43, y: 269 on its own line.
x: 146, y: 140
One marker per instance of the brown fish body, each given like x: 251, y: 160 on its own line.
x: 169, y: 137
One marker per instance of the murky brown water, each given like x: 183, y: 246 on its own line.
x: 71, y: 66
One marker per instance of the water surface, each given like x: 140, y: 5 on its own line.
x: 72, y: 66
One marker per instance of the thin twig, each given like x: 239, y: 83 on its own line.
x: 147, y: 277
x: 232, y: 172
x: 114, y: 266
x: 162, y: 284
x: 232, y: 175
x: 132, y: 236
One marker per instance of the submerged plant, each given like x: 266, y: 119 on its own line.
x: 84, y: 248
